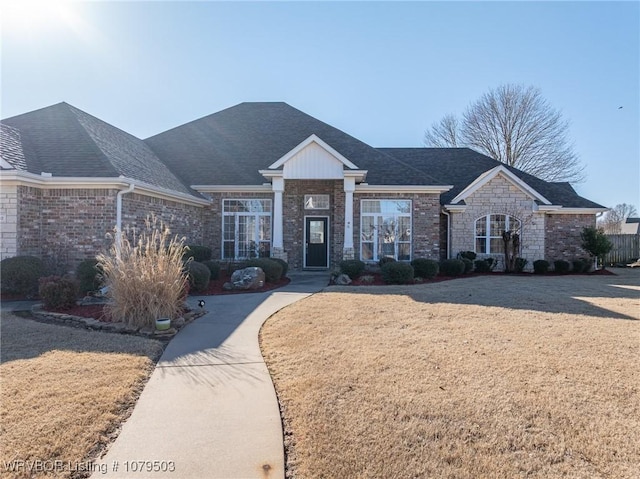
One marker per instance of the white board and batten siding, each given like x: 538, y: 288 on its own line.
x: 313, y: 162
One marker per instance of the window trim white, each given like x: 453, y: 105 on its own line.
x: 488, y: 237
x: 236, y: 214
x: 376, y: 257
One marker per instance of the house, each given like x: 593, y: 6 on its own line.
x: 267, y: 179
x: 631, y: 226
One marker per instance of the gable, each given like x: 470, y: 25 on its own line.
x: 313, y: 162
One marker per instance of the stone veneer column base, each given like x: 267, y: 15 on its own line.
x: 279, y: 253
x: 348, y: 253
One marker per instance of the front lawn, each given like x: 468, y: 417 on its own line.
x: 64, y: 393
x: 499, y: 376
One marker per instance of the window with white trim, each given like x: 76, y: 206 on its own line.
x: 489, y: 229
x: 385, y: 229
x: 316, y: 202
x: 246, y: 228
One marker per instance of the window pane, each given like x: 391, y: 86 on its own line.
x: 371, y: 206
x: 367, y: 251
x: 265, y: 249
x: 367, y: 228
x: 481, y: 245
x: 316, y: 202
x: 481, y: 226
x: 264, y: 231
x: 497, y: 225
x: 228, y: 252
x: 497, y: 246
x: 404, y: 251
x: 229, y: 228
x: 404, y: 228
x: 316, y: 232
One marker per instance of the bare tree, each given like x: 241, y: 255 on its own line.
x: 443, y: 133
x: 517, y: 126
x: 613, y: 219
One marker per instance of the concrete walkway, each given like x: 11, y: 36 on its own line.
x: 209, y: 409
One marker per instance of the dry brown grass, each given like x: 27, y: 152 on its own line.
x: 63, y: 393
x: 491, y: 377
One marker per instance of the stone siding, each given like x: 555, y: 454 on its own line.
x: 499, y: 196
x: 425, y: 228
x: 8, y: 221
x: 563, y: 236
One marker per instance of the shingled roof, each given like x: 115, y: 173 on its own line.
x: 68, y: 142
x: 229, y: 147
x: 461, y: 166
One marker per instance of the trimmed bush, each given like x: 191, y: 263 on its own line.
x: 468, y: 255
x: 451, y: 267
x: 578, y: 266
x: 397, y: 272
x: 588, y: 264
x: 482, y: 266
x: 540, y: 266
x: 272, y: 268
x: 199, y: 276
x: 352, y: 267
x: 520, y: 264
x: 214, y: 268
x: 425, y: 268
x: 468, y: 265
x: 198, y: 253
x: 58, y: 292
x: 284, y: 264
x: 87, y: 275
x: 561, y: 266
x: 20, y: 274
x: 384, y: 260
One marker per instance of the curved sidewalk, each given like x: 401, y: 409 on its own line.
x: 209, y: 409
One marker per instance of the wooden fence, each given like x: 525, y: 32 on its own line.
x: 625, y: 248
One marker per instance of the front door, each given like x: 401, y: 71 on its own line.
x: 316, y: 242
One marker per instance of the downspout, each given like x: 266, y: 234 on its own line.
x: 119, y: 196
x: 448, y: 232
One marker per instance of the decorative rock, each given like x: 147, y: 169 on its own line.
x: 227, y: 286
x: 248, y: 278
x: 178, y: 322
x: 343, y: 279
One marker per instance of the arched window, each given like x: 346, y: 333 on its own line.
x: 489, y: 231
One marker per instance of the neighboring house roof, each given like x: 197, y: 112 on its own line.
x: 231, y: 146
x: 67, y: 142
x: 462, y: 166
x: 631, y: 226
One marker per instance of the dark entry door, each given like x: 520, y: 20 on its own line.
x: 316, y: 246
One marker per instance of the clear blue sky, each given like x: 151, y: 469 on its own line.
x: 382, y: 71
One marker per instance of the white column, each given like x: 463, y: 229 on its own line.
x: 278, y: 188
x: 349, y: 188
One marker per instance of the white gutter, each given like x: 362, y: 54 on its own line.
x: 119, y: 196
x: 448, y: 232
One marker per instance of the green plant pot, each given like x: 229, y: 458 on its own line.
x: 162, y: 324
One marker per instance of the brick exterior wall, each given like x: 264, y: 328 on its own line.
x: 65, y: 226
x: 425, y: 228
x: 562, y: 234
x: 8, y: 221
x: 499, y: 196
x: 293, y: 213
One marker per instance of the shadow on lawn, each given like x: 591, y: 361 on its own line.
x: 571, y: 294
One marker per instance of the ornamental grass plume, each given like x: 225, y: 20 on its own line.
x: 146, y: 278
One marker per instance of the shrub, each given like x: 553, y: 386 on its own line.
x: 596, y: 243
x: 384, y: 260
x: 352, y: 267
x: 198, y: 253
x: 540, y: 266
x: 578, y: 266
x: 284, y: 264
x: 272, y: 269
x: 520, y: 264
x: 425, y: 268
x: 451, y: 267
x: 58, y: 292
x: 482, y: 266
x: 146, y: 280
x: 20, y: 274
x: 588, y: 264
x: 561, y: 266
x: 367, y: 279
x: 397, y: 272
x: 214, y: 268
x: 199, y: 276
x: 468, y: 255
x: 492, y: 262
x: 468, y: 265
x: 88, y: 276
